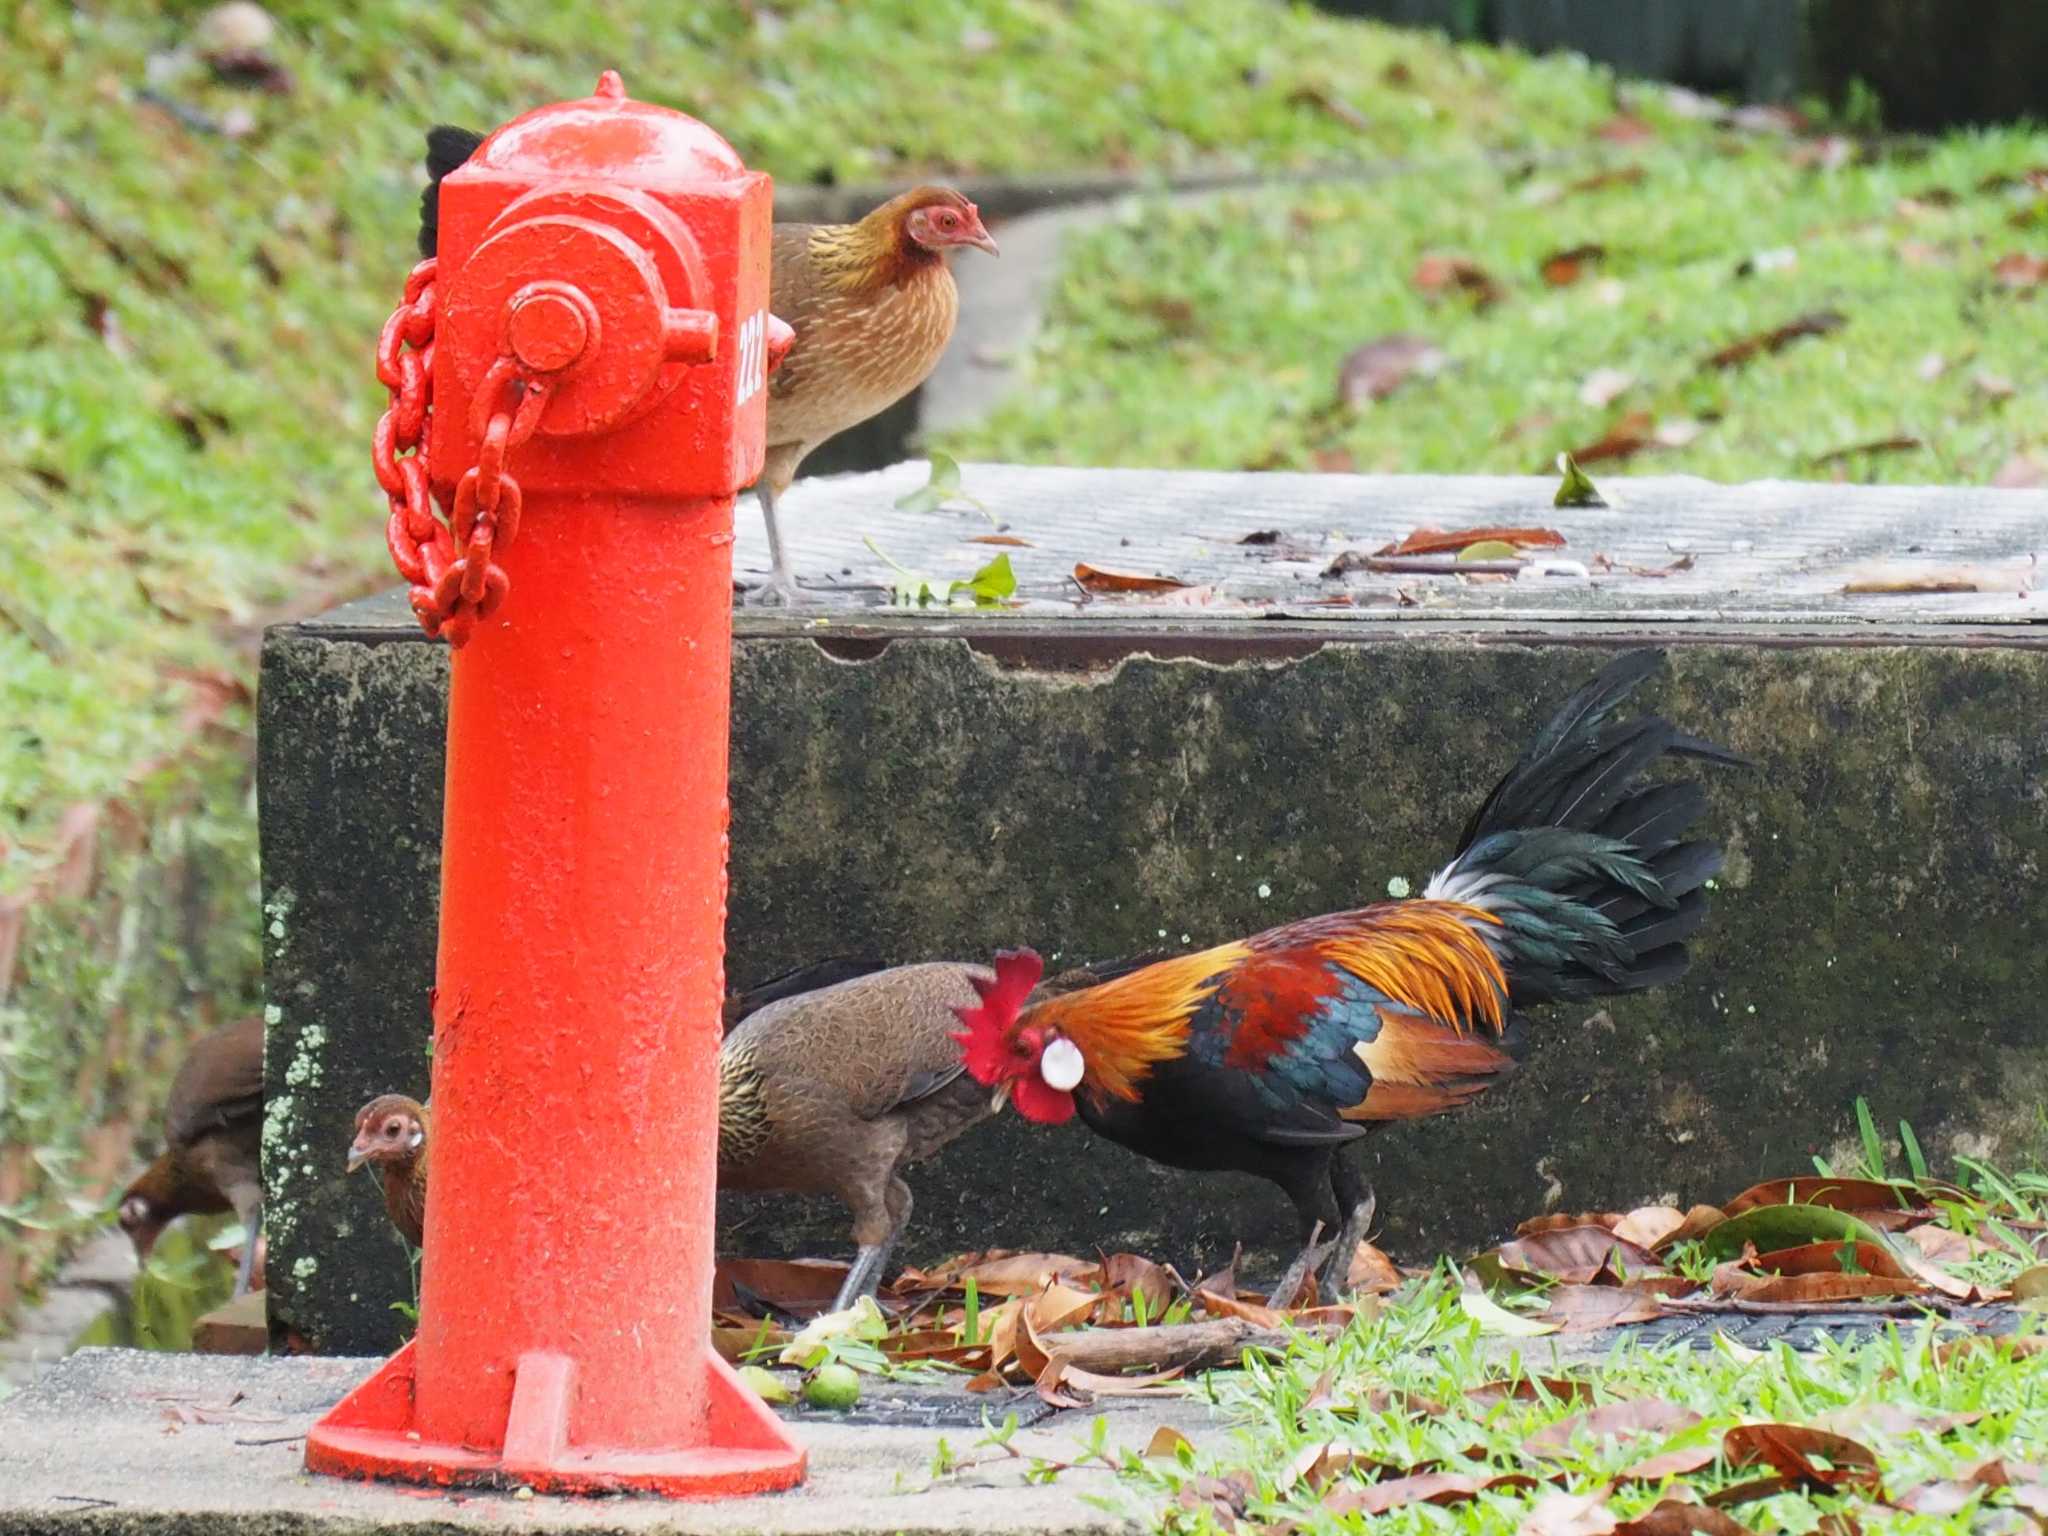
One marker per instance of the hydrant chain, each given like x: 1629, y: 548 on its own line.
x: 449, y: 593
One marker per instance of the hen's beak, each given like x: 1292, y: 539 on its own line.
x: 358, y: 1154
x: 984, y: 241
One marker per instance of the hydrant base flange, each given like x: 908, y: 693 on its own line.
x: 370, y: 1434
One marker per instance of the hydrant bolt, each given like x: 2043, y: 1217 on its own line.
x: 549, y: 326
x: 690, y: 336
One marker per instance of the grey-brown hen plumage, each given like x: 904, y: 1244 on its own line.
x: 837, y: 1091
x: 213, y: 1133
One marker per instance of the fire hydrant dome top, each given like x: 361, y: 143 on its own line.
x: 609, y: 134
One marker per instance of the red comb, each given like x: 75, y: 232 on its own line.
x: 984, y: 1043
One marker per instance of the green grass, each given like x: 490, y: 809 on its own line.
x: 1393, y: 1393
x: 186, y: 318
x: 1212, y: 335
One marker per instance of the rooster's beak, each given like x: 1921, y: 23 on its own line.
x: 1001, y: 1097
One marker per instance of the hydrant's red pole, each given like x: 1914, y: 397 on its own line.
x: 565, y: 1307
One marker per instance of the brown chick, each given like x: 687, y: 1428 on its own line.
x: 837, y: 1091
x: 872, y: 304
x: 213, y: 1138
x: 391, y: 1131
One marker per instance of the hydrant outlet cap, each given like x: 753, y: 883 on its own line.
x: 611, y: 136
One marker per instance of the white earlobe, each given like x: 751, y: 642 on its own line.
x: 1061, y: 1065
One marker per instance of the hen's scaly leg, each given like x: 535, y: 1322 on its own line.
x: 252, y: 1230
x: 868, y: 1263
x: 781, y: 587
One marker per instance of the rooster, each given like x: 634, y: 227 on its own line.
x: 213, y: 1135
x: 872, y: 304
x: 1270, y: 1055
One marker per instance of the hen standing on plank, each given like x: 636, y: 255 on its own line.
x: 872, y: 304
x: 1271, y: 1054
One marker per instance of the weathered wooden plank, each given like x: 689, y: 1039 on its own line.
x: 1768, y: 551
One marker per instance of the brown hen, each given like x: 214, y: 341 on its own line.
x: 213, y: 1136
x: 837, y: 1091
x: 872, y: 304
x: 391, y: 1132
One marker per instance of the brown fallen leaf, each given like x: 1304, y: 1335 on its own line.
x: 1600, y: 181
x: 1322, y: 1462
x: 1625, y: 128
x: 1127, y: 1274
x: 1438, y: 274
x: 1167, y: 1443
x: 1749, y: 1492
x: 1099, y: 579
x: 1944, y: 1245
x: 1063, y: 1377
x: 1603, y: 386
x: 1559, y: 1513
x: 1611, y: 1422
x: 999, y: 1272
x: 1221, y: 1498
x: 1371, y: 1272
x: 2022, y: 272
x: 1561, y: 269
x: 1815, y: 1288
x: 1654, y: 1469
x: 1857, y: 1195
x: 1009, y: 540
x: 1440, y: 541
x: 1375, y: 370
x: 1900, y: 444
x: 1624, y: 438
x: 2022, y: 472
x: 1229, y: 1306
x: 1557, y: 1221
x: 1657, y: 572
x: 1900, y: 576
x: 1334, y: 461
x: 1531, y: 1389
x: 1059, y: 1305
x: 1837, y: 1257
x: 1898, y: 1421
x: 1441, y: 1488
x: 1818, y: 323
x: 788, y: 1285
x: 1589, y: 1308
x: 1945, y: 1496
x: 1814, y: 1458
x: 1575, y: 1254
x: 1676, y: 1517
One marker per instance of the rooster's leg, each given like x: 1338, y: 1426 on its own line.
x: 1355, y: 1198
x: 1287, y: 1289
x: 1309, y: 1187
x: 781, y: 587
x: 865, y: 1276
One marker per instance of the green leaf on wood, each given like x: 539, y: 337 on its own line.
x: 1577, y: 488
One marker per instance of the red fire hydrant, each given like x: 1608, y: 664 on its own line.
x: 599, y: 349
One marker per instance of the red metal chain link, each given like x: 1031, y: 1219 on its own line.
x: 449, y: 592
